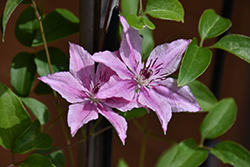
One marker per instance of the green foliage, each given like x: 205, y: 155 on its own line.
x: 57, y: 157
x: 139, y: 22
x: 42, y: 88
x: 194, y: 63
x: 232, y: 153
x: 8, y: 10
x: 184, y: 154
x: 134, y: 113
x: 147, y: 41
x: 26, y: 26
x: 13, y: 117
x: 59, y: 61
x: 129, y: 7
x: 122, y: 163
x: 37, y: 160
x: 238, y: 45
x: 57, y: 24
x: 165, y: 9
x: 31, y: 138
x: 204, y: 97
x: 37, y: 108
x: 22, y: 73
x: 212, y: 25
x: 219, y: 119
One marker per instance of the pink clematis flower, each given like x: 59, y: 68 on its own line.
x: 147, y: 82
x: 81, y: 86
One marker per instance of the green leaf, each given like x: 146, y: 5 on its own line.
x: 219, y: 120
x: 26, y: 26
x: 135, y: 22
x: 129, y: 7
x: 194, y: 63
x: 22, y: 73
x: 147, y: 23
x: 8, y: 10
x: 13, y: 117
x: 232, y: 153
x: 204, y: 97
x: 147, y: 41
x: 184, y: 154
x: 59, y: 61
x: 212, y: 25
x: 165, y: 9
x: 122, y: 163
x: 57, y: 24
x: 37, y: 160
x: 42, y: 88
x: 37, y: 108
x: 31, y: 138
x: 56, y: 157
x: 26, y: 2
x: 134, y: 113
x: 238, y: 45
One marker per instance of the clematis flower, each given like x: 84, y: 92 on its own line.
x: 146, y: 82
x: 81, y: 86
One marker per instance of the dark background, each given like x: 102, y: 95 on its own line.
x: 235, y: 83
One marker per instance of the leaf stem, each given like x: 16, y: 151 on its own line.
x: 39, y: 19
x: 140, y: 8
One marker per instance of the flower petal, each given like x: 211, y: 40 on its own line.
x: 120, y: 103
x: 80, y: 114
x: 117, y: 87
x: 66, y: 85
x: 180, y: 98
x: 116, y: 120
x: 168, y: 56
x: 149, y: 98
x: 131, y: 46
x: 111, y: 60
x: 103, y: 73
x: 81, y: 65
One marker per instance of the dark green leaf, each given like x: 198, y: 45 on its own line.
x: 122, y: 163
x: 203, y: 95
x: 129, y: 7
x: 232, y: 153
x: 57, y: 24
x: 165, y: 9
x: 135, y: 22
x: 37, y: 160
x: 56, y: 157
x: 134, y: 113
x: 22, y: 73
x: 37, y: 108
x: 13, y: 117
x: 8, y: 10
x: 212, y: 25
x: 219, y: 119
x: 147, y: 23
x: 42, y: 88
x: 31, y: 138
x: 26, y: 27
x: 26, y: 1
x: 238, y: 45
x: 59, y: 61
x: 194, y: 63
x: 184, y: 154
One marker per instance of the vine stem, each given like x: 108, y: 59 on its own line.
x: 143, y: 148
x: 39, y: 19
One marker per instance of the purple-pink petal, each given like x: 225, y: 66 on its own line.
x: 168, y: 55
x: 118, y: 122
x: 81, y: 65
x: 103, y: 73
x: 111, y: 60
x: 149, y: 98
x: 117, y: 87
x: 66, y: 85
x: 180, y: 98
x: 131, y: 45
x: 80, y: 114
x: 121, y: 104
